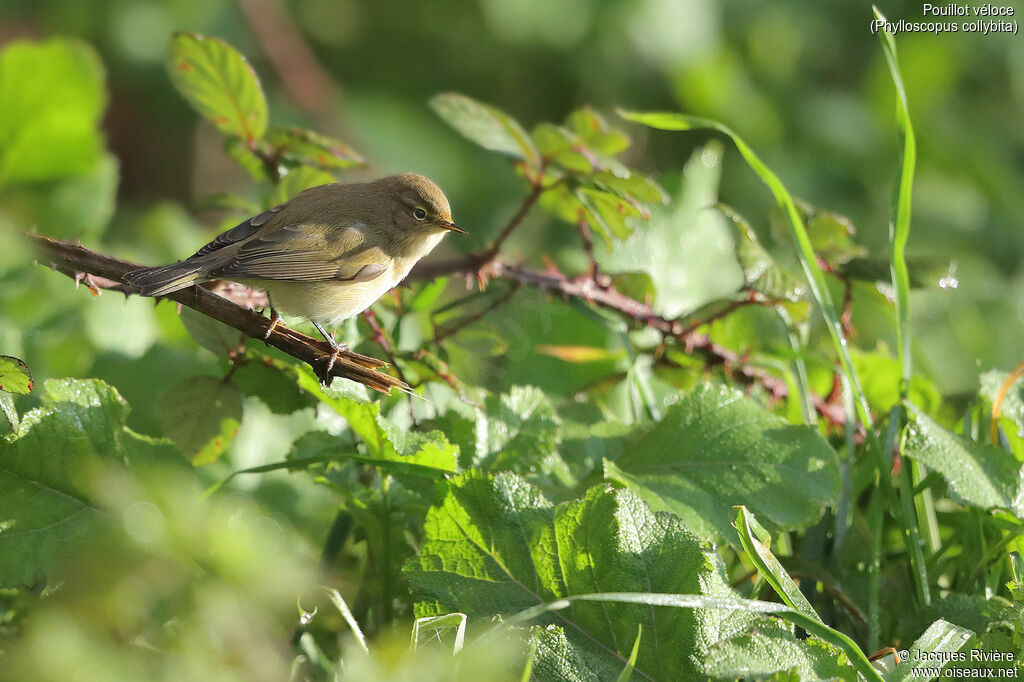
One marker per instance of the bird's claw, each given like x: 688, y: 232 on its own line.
x: 339, y: 348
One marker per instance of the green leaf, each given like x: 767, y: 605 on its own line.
x: 815, y: 276
x: 596, y: 133
x: 756, y: 541
x: 201, y: 415
x: 1013, y: 402
x: 54, y: 95
x: 236, y: 148
x: 685, y: 248
x: 297, y: 180
x: 941, y: 638
x: 211, y: 334
x: 488, y: 127
x: 227, y: 201
x: 219, y: 83
x: 515, y: 431
x: 924, y: 272
x: 383, y: 440
x: 717, y: 448
x: 46, y: 467
x: 273, y: 382
x: 15, y: 376
x: 495, y: 545
x: 607, y: 213
x: 309, y: 148
x: 978, y: 474
x: 761, y: 273
x: 770, y: 648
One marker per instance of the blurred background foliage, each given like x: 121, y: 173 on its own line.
x: 804, y: 83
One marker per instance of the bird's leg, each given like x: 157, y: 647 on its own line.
x: 338, y: 348
x: 275, y: 322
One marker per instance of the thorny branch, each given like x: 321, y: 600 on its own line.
x: 98, y: 271
x: 592, y: 287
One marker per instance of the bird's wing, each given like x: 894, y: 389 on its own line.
x: 307, y: 252
x: 238, y: 233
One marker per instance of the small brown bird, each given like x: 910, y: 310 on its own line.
x: 326, y: 254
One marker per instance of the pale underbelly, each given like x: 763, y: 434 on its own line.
x: 328, y: 303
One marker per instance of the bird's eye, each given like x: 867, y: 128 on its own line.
x: 419, y: 214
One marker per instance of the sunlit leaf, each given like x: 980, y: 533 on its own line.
x: 496, y: 545
x: 485, y: 125
x: 716, y: 448
x: 979, y: 474
x: 219, y: 82
x: 15, y: 376
x: 307, y: 147
x: 297, y: 180
x: 54, y: 95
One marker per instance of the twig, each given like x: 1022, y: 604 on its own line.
x: 74, y: 259
x: 443, y: 334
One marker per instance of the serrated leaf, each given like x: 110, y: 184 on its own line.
x: 45, y: 468
x: 296, y: 180
x: 309, y: 148
x: 770, y: 648
x: 219, y: 83
x: 717, y: 448
x: 201, y: 415
x: 940, y: 638
x: 55, y: 95
x: 515, y: 431
x: 485, y: 125
x: 382, y: 438
x: 978, y: 474
x: 495, y: 545
x: 15, y: 376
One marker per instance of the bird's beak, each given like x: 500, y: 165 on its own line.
x: 453, y: 227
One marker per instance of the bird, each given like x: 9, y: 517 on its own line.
x: 325, y: 255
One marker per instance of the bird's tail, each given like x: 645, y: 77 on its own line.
x: 167, y: 279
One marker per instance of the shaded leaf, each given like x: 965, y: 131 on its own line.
x: 488, y: 127
x: 201, y: 415
x: 219, y: 83
x: 211, y: 334
x: 924, y: 272
x: 716, y: 448
x: 273, y: 382
x: 45, y: 468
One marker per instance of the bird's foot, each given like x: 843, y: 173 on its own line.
x: 338, y: 348
x: 275, y: 322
